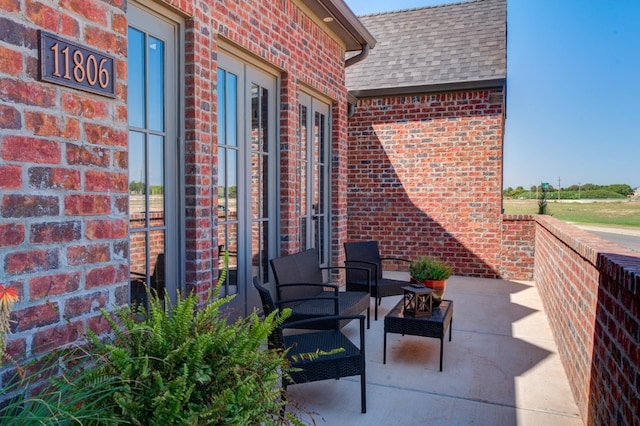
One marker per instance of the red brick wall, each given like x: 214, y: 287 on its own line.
x: 425, y: 177
x: 63, y: 177
x: 518, y: 247
x: 590, y: 289
x: 64, y: 240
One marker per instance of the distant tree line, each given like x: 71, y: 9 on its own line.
x: 139, y: 188
x: 573, y: 192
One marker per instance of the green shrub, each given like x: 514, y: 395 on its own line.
x: 428, y: 268
x: 175, y: 365
x: 186, y: 366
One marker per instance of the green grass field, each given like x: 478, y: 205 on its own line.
x: 618, y: 214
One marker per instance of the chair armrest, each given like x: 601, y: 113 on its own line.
x: 336, y: 309
x: 333, y: 286
x: 367, y: 270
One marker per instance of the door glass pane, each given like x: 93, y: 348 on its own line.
x: 156, y: 178
x: 259, y: 119
x: 301, y: 202
x: 138, y: 274
x: 228, y: 243
x: 138, y: 254
x: 137, y: 180
x: 222, y: 107
x: 228, y: 177
x: 259, y: 179
x: 136, y: 78
x: 156, y: 84
x: 156, y: 260
x: 231, y: 108
x: 259, y: 253
x: 318, y: 207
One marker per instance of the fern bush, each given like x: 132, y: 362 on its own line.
x: 173, y: 365
x: 186, y: 366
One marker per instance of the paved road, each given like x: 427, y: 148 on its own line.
x: 624, y: 237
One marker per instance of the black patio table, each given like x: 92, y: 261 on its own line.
x: 434, y: 325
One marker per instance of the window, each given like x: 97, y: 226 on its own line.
x: 153, y: 70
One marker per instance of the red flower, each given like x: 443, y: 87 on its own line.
x: 8, y: 295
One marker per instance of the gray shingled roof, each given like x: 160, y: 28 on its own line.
x: 455, y: 44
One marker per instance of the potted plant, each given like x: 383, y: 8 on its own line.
x: 432, y: 273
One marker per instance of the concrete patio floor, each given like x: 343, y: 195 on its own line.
x: 501, y: 368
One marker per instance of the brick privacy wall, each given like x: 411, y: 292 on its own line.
x: 590, y: 289
x: 63, y: 153
x: 63, y: 177
x: 425, y: 178
x: 518, y: 247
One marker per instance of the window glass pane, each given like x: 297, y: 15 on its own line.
x: 156, y: 179
x: 136, y: 83
x: 156, y: 84
x: 137, y: 180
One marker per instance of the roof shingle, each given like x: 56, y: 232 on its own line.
x: 433, y: 46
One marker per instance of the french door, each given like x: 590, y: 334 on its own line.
x: 313, y: 174
x: 153, y: 105
x: 247, y: 195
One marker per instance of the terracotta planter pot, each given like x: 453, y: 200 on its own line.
x: 438, y: 287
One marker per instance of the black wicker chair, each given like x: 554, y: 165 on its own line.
x: 326, y: 363
x: 299, y: 275
x: 366, y: 254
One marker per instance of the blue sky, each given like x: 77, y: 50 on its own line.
x: 573, y: 89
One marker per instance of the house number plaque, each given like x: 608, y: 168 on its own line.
x: 69, y: 64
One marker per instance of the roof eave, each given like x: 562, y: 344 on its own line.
x: 345, y: 23
x: 496, y: 83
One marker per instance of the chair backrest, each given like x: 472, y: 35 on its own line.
x: 364, y: 251
x: 298, y: 268
x: 276, y: 339
x: 158, y: 278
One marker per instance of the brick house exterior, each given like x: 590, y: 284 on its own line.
x: 95, y: 189
x: 426, y: 137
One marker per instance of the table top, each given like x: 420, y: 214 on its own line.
x: 418, y: 289
x: 438, y: 314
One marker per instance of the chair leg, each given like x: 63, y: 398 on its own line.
x: 363, y: 391
x: 369, y: 320
x: 376, y: 310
